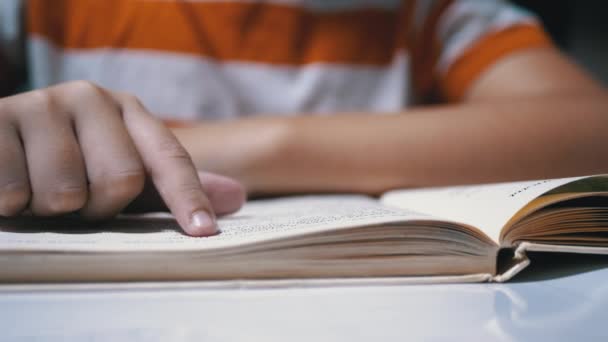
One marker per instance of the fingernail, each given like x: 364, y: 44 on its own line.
x: 203, y: 224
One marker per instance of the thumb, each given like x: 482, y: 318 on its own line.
x: 225, y: 194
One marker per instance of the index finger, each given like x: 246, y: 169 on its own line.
x: 170, y: 168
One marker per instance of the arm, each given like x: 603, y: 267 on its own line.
x: 531, y: 115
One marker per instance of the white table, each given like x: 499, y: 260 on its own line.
x: 558, y: 307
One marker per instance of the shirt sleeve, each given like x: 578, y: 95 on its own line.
x: 459, y: 39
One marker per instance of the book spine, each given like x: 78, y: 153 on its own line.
x: 518, y: 263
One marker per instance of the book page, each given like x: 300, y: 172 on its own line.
x: 487, y: 207
x: 256, y: 221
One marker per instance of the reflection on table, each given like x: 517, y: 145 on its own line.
x: 566, y: 300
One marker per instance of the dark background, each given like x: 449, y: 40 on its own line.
x: 579, y: 27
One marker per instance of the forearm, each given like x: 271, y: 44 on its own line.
x: 467, y: 143
x: 244, y: 149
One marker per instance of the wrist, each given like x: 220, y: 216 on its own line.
x: 262, y: 146
x: 246, y: 149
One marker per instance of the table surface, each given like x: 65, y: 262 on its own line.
x: 560, y: 299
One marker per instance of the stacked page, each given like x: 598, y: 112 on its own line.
x: 440, y: 234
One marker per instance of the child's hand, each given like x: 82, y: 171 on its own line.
x: 78, y: 147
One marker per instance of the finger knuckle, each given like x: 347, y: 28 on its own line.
x: 61, y: 200
x: 129, y: 97
x: 45, y: 101
x: 85, y: 90
x: 171, y: 149
x: 132, y: 103
x: 121, y: 186
x: 67, y: 157
x: 192, y: 193
x: 14, y: 197
x: 83, y: 86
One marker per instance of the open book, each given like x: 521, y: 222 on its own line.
x: 453, y: 234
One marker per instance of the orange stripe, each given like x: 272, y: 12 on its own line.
x: 266, y: 33
x: 487, y: 51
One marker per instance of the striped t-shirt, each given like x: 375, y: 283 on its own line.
x: 193, y: 59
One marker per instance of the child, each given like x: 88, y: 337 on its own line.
x: 241, y: 80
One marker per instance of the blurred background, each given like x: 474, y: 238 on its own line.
x: 579, y: 27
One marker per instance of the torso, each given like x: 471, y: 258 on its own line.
x: 197, y: 59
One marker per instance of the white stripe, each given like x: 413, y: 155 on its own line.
x: 315, y: 5
x: 187, y: 87
x: 467, y: 21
